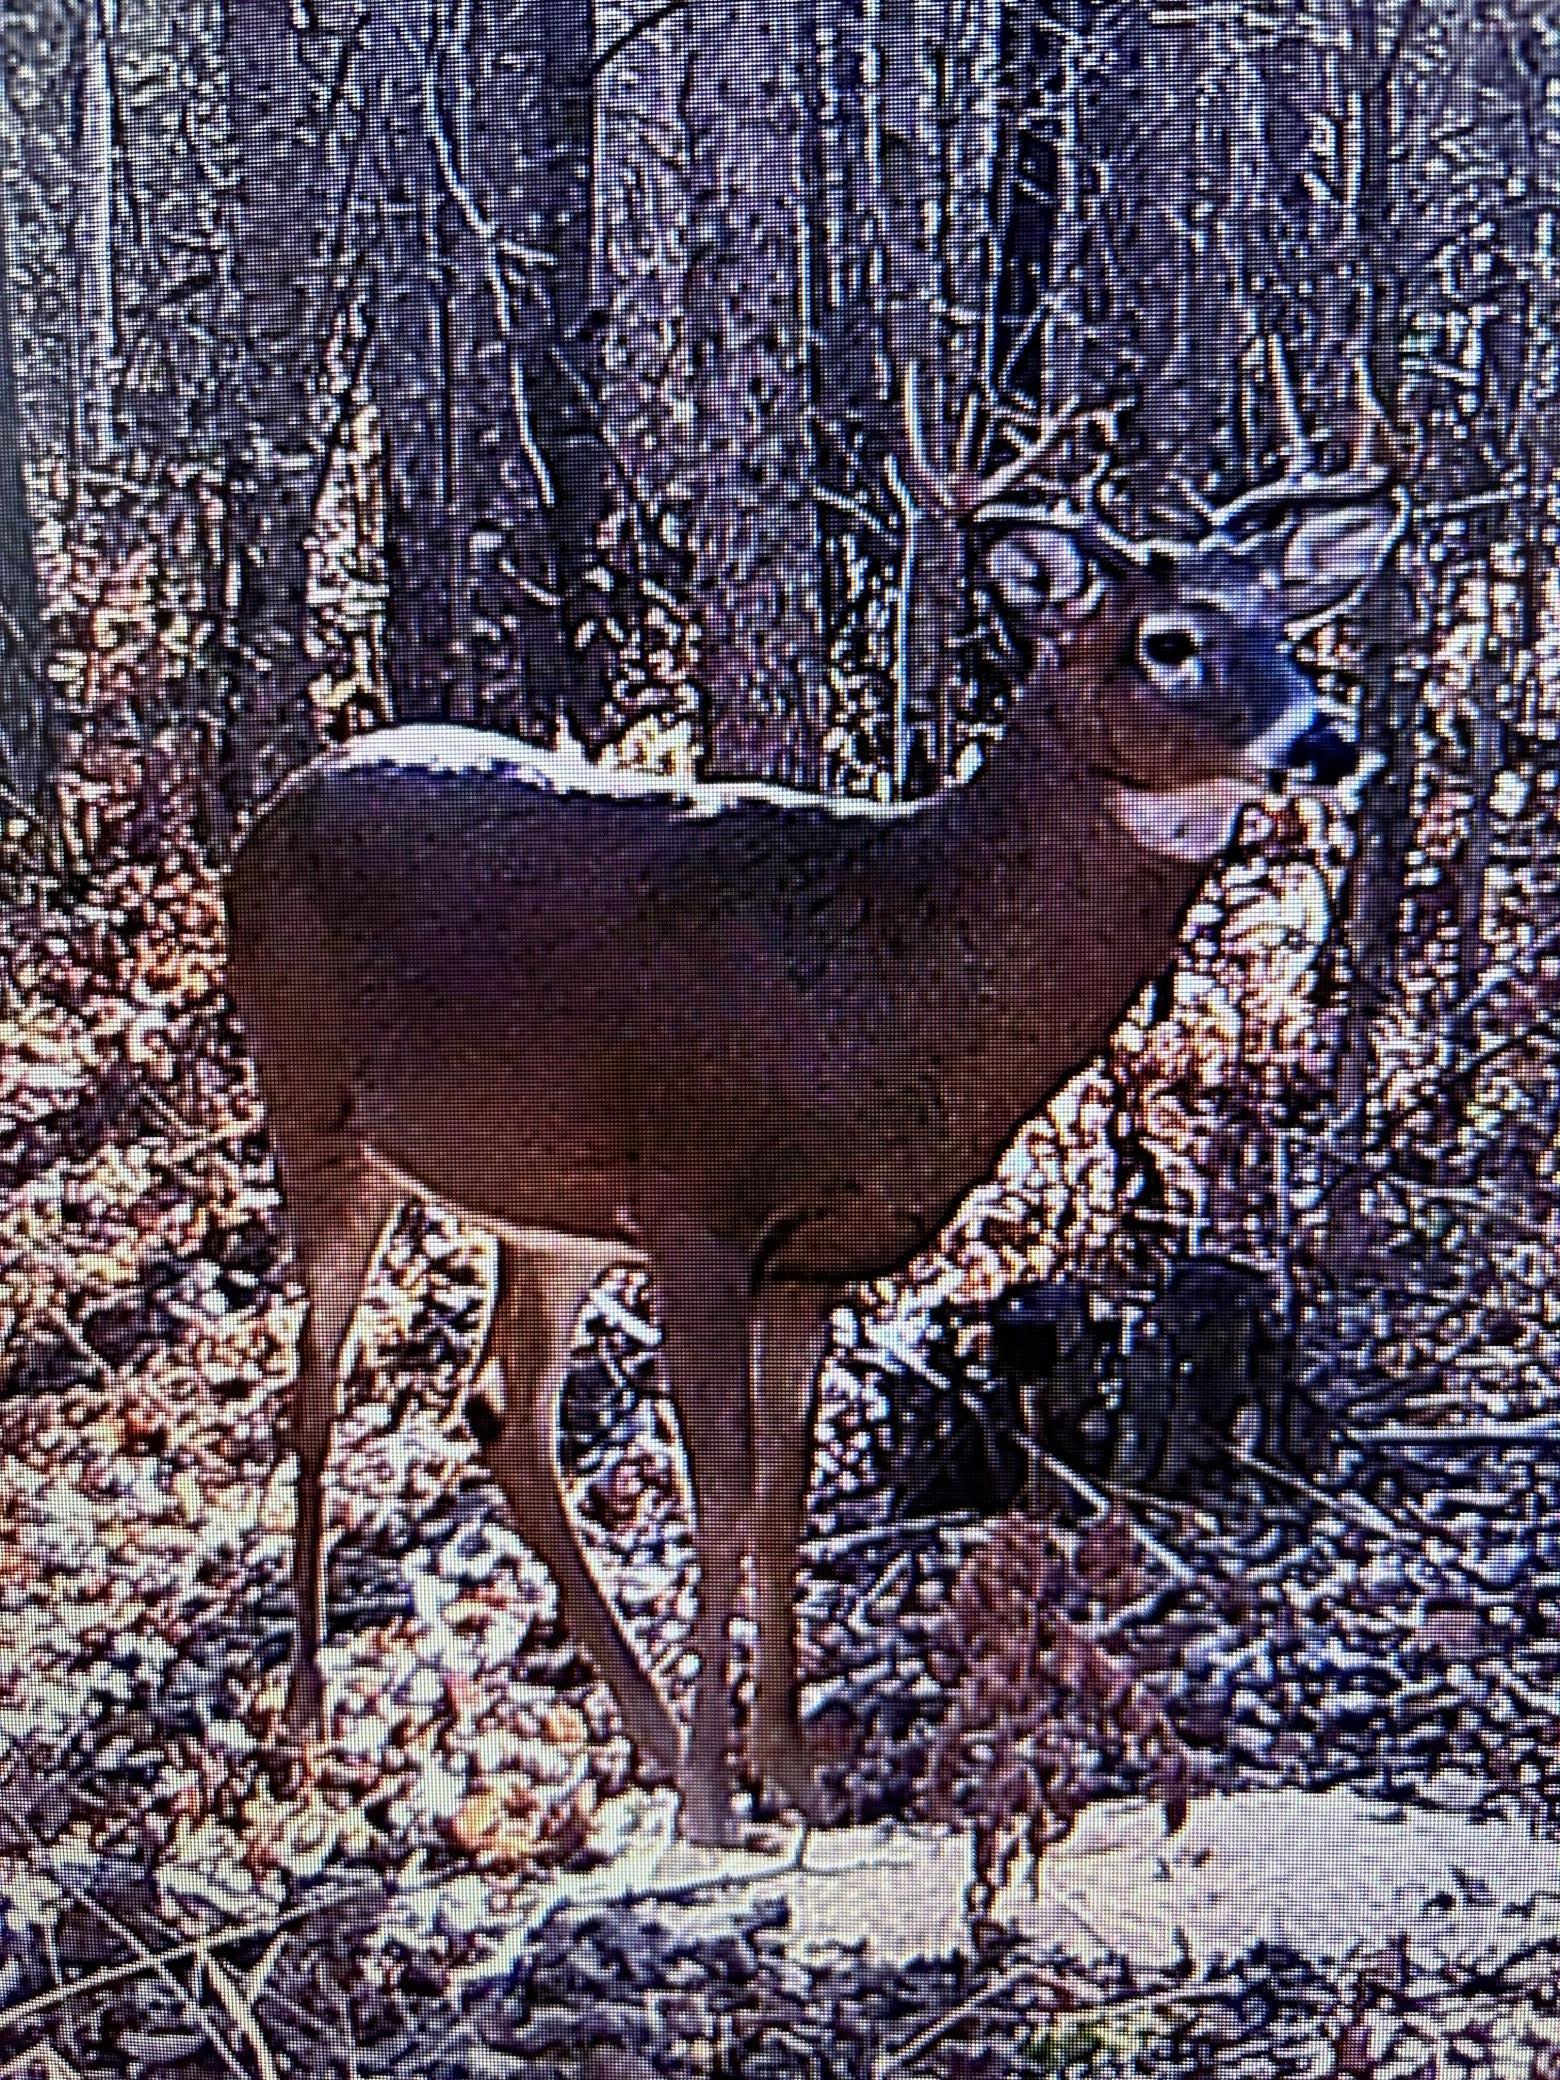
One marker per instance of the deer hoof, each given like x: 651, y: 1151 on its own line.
x: 706, y: 1817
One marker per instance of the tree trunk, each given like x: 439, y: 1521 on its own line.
x: 281, y: 80
x: 753, y: 530
x: 933, y: 122
x: 94, y: 230
x: 640, y: 271
x: 26, y: 711
x: 1388, y: 699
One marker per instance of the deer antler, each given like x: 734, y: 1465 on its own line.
x: 961, y: 492
x: 1302, y: 482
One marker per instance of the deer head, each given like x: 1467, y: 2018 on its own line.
x: 1170, y: 670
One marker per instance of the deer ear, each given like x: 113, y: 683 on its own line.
x: 1034, y: 571
x: 1329, y: 556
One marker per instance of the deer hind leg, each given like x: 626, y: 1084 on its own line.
x: 704, y: 1312
x: 790, y: 1337
x: 532, y: 1326
x: 339, y: 1219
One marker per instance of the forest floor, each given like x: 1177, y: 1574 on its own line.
x: 469, y: 1877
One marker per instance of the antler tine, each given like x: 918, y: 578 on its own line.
x: 1372, y: 427
x: 1133, y: 551
x: 918, y: 470
x: 1309, y: 488
x: 959, y: 490
x: 1296, y: 441
x: 968, y: 435
x: 1021, y: 468
x: 1302, y: 482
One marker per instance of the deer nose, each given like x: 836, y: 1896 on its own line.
x: 1321, y: 756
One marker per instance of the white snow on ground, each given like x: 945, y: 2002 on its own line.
x: 1324, y: 1872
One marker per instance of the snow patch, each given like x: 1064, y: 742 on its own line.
x: 431, y: 747
x: 1327, y: 1872
x: 566, y: 769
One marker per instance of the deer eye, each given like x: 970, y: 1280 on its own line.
x: 1167, y: 645
x: 1170, y: 645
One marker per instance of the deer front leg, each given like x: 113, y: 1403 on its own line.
x: 790, y: 1338
x: 704, y: 1311
x: 538, y: 1302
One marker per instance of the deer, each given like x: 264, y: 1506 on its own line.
x: 755, y: 1043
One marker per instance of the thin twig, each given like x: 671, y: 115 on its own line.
x: 909, y: 548
x: 946, y: 2023
x: 1348, y: 1506
x: 179, y: 1953
x: 641, y: 27
x: 946, y: 1526
x: 494, y: 248
x: 1170, y: 1562
x: 1459, y: 1437
x: 1195, y: 1996
x: 72, y: 1337
x: 241, y: 2013
x: 151, y: 1960
x: 1497, y: 978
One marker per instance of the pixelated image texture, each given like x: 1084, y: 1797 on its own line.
x: 780, y: 1043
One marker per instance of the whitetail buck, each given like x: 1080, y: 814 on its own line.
x: 760, y: 1044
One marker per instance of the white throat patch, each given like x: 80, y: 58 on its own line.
x: 1193, y: 823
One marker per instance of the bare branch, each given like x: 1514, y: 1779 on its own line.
x: 494, y: 248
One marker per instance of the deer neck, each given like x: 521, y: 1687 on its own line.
x: 1037, y: 916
